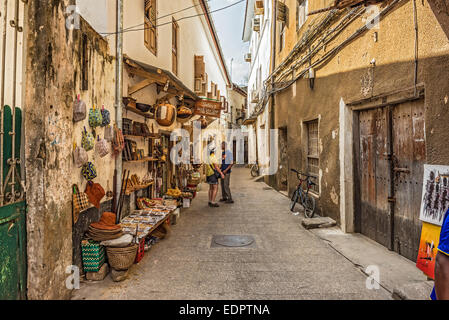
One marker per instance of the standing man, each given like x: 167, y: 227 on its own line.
x: 441, y: 290
x: 226, y: 166
x: 213, y: 173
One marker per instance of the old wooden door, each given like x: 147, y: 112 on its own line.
x: 12, y: 204
x: 392, y: 156
x: 374, y: 176
x: 409, y: 156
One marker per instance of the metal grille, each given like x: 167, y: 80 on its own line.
x: 11, y: 70
x: 313, y: 160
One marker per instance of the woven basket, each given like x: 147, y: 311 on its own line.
x: 122, y: 258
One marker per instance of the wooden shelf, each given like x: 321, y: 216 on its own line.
x: 140, y: 113
x: 141, y: 160
x: 131, y: 136
x: 139, y: 188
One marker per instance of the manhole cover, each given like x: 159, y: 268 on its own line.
x: 233, y: 241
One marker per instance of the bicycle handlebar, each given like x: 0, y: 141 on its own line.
x: 305, y: 175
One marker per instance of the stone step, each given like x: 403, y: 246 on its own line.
x: 318, y: 222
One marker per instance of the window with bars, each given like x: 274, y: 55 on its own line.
x: 150, y: 32
x: 302, y: 8
x: 313, y: 158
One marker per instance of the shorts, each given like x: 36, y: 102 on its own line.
x: 212, y: 179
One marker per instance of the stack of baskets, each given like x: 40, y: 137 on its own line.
x: 121, y: 259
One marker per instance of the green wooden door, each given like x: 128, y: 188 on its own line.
x: 12, y: 252
x: 12, y: 210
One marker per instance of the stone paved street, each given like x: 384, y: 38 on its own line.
x: 287, y: 261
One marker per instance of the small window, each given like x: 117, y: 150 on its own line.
x: 282, y: 36
x: 302, y: 8
x: 150, y: 32
x: 313, y: 158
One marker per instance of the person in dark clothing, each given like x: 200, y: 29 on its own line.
x: 226, y: 166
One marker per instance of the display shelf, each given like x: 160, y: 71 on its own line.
x: 132, y: 136
x: 140, y: 113
x: 128, y: 192
x: 142, y: 160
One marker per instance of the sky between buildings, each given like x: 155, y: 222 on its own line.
x: 229, y: 25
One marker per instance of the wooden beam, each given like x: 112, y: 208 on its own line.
x: 139, y: 86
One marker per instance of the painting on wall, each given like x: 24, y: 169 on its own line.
x: 435, y: 200
x: 427, y: 252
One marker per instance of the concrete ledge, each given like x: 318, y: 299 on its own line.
x: 413, y: 291
x: 319, y: 222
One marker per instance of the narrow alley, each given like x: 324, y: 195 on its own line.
x: 285, y: 262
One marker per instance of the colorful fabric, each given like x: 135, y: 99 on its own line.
x: 106, y: 117
x: 443, y: 245
x: 79, y: 110
x: 80, y: 157
x: 88, y: 140
x: 80, y: 202
x: 89, y: 171
x: 95, y: 118
x: 102, y: 147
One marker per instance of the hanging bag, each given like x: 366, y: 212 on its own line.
x: 102, y: 147
x: 108, y: 133
x: 89, y: 171
x: 95, y: 118
x: 95, y: 193
x: 106, y: 117
x: 88, y: 140
x: 118, y: 144
x: 79, y: 110
x: 80, y: 202
x: 80, y: 156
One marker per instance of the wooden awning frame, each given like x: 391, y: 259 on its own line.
x: 165, y: 80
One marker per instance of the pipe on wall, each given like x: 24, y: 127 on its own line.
x: 119, y: 90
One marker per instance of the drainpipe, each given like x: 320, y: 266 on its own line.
x: 273, y: 67
x: 119, y: 91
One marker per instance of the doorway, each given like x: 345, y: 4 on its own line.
x: 392, y: 152
x: 283, y: 160
x: 13, y: 245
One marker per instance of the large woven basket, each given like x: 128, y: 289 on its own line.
x: 122, y: 258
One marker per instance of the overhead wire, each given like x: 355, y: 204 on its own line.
x: 261, y: 106
x: 170, y: 22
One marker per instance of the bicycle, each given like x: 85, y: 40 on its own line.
x: 255, y: 170
x: 307, y: 201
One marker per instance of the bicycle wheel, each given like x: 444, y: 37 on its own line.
x: 254, y: 171
x: 294, y: 201
x: 309, y: 206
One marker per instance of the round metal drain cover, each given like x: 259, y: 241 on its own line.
x: 234, y: 241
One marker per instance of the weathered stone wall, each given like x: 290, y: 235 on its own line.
x: 348, y: 75
x: 52, y: 82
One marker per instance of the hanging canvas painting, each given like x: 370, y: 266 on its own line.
x: 435, y: 201
x: 427, y: 252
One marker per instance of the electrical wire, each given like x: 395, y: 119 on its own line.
x: 158, y: 18
x: 266, y: 93
x: 170, y: 22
